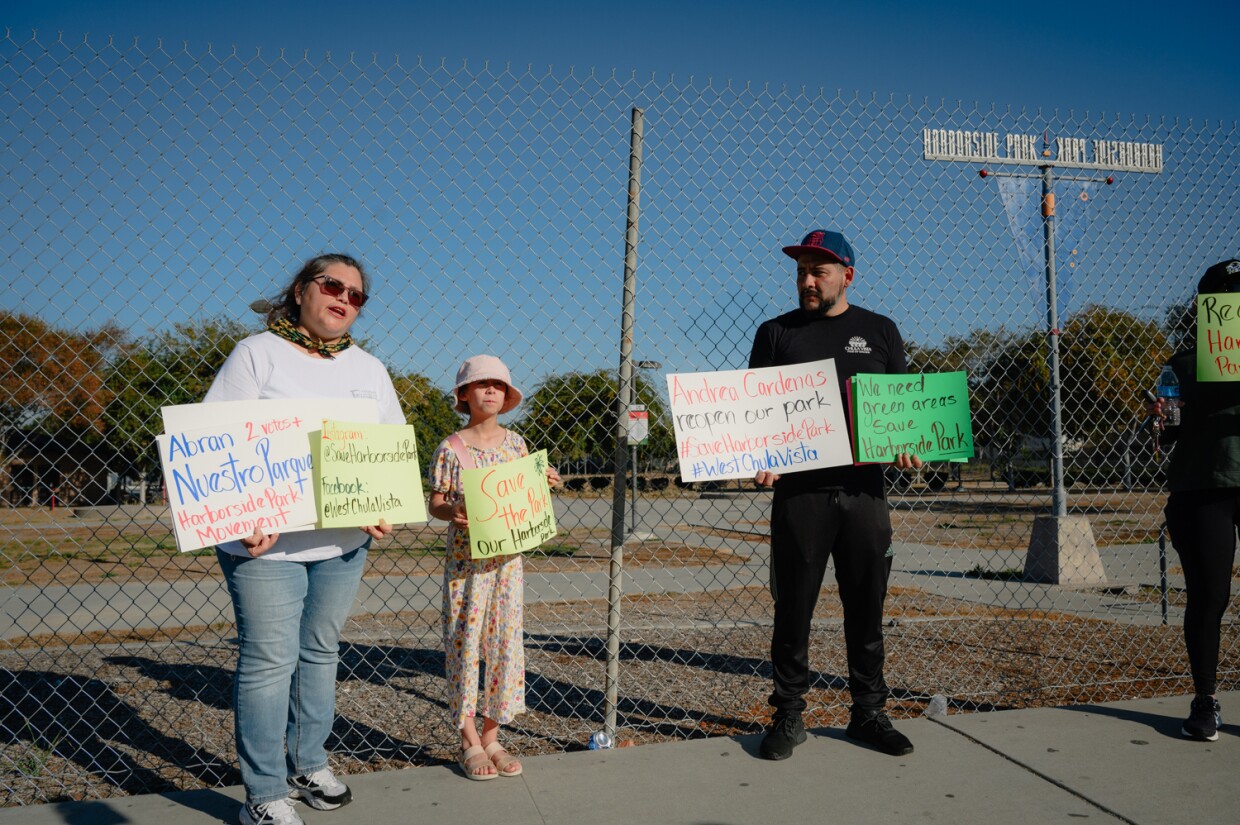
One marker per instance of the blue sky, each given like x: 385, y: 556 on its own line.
x: 153, y: 173
x: 1135, y: 58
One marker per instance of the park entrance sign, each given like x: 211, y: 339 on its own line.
x: 1060, y: 542
x: 1078, y: 153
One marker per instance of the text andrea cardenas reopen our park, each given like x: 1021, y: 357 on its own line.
x: 232, y: 467
x: 732, y: 424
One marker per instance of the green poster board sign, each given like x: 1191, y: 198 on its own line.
x: 509, y: 506
x: 926, y: 415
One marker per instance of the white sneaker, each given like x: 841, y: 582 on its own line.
x: 320, y: 790
x: 279, y: 812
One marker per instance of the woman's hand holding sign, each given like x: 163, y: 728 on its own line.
x: 258, y: 543
x: 377, y: 531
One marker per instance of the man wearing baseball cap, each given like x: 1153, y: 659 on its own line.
x: 836, y: 512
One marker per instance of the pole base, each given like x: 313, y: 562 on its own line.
x: 1062, y: 551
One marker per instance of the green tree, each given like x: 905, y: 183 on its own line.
x: 573, y: 417
x: 1180, y: 323
x: 52, y: 391
x: 978, y: 355
x: 174, y: 367
x: 53, y: 379
x: 1107, y: 359
x: 429, y: 410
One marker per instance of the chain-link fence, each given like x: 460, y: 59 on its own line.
x: 153, y: 193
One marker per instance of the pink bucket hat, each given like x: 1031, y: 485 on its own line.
x: 485, y: 368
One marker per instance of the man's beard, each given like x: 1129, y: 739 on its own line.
x: 824, y: 305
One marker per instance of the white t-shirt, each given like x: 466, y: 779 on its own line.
x: 266, y: 366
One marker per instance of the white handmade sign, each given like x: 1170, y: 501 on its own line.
x: 733, y: 423
x: 231, y: 467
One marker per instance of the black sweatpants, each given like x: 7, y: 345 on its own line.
x: 1203, y: 525
x: 807, y: 528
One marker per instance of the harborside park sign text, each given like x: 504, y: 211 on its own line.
x: 366, y: 473
x: 1076, y: 152
x: 733, y: 423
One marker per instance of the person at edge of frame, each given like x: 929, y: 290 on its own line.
x: 1203, y: 507
x: 838, y: 512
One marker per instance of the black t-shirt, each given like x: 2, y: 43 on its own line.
x: 860, y: 341
x: 1207, y: 452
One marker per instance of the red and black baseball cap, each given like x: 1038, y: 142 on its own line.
x: 1224, y: 276
x: 824, y: 242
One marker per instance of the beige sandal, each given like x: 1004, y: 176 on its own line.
x: 503, y: 760
x: 474, y: 758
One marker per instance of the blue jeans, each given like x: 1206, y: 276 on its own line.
x: 289, y: 616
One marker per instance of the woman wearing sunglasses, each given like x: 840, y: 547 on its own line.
x: 291, y: 594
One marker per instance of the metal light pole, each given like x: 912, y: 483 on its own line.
x: 1059, y: 498
x: 1062, y: 549
x: 1059, y: 491
x: 963, y: 146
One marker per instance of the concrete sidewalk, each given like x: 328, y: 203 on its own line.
x: 1123, y: 762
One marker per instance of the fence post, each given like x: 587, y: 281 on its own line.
x: 623, y: 399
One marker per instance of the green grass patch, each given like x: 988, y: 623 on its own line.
x: 1010, y: 574
x: 33, y: 763
x: 983, y: 522
x: 560, y: 550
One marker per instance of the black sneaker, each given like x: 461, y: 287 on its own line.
x: 786, y: 732
x: 1203, y: 719
x: 320, y: 790
x: 874, y: 728
x: 279, y: 812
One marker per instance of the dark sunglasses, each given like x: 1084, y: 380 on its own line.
x: 332, y: 288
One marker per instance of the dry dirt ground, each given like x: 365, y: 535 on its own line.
x: 144, y: 716
x: 39, y: 547
x: 85, y: 717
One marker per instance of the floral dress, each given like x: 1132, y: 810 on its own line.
x: 482, y: 604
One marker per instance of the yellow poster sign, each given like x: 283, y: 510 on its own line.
x: 367, y: 472
x: 1218, y: 337
x: 509, y: 506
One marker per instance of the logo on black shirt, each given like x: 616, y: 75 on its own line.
x: 858, y: 346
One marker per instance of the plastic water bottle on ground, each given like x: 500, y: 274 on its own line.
x: 937, y: 707
x: 601, y: 741
x: 1169, y: 394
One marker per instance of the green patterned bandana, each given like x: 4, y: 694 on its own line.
x: 285, y: 329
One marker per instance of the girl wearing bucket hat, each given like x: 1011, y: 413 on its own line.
x: 483, y: 598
